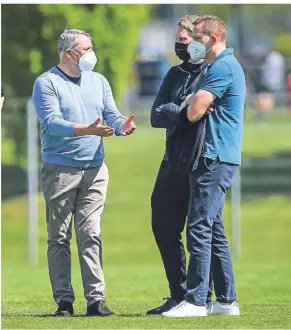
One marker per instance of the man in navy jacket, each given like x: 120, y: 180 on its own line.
x: 170, y: 196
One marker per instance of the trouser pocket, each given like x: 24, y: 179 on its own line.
x: 211, y: 164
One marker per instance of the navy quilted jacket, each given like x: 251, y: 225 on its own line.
x: 184, y: 139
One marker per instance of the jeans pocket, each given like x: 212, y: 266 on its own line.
x: 211, y: 164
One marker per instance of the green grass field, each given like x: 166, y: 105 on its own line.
x: 133, y: 270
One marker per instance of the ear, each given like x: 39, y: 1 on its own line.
x: 214, y: 39
x: 67, y: 53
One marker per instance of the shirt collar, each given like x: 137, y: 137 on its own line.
x: 227, y: 51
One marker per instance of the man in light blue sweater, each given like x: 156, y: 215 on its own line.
x: 71, y: 102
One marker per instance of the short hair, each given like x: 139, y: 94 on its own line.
x: 212, y: 25
x: 68, y: 39
x: 187, y: 22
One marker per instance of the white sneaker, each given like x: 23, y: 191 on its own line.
x: 185, y: 309
x: 222, y: 309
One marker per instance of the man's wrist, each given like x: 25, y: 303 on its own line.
x: 119, y: 129
x: 81, y: 130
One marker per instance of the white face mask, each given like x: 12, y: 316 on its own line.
x: 87, y: 61
x: 197, y: 50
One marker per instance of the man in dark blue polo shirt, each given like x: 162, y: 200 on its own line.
x: 224, y: 84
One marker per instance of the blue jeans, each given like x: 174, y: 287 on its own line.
x: 205, y: 233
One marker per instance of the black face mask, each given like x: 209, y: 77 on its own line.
x: 181, y: 51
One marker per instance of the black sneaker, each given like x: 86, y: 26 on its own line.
x: 65, y: 309
x: 99, y: 308
x: 169, y: 304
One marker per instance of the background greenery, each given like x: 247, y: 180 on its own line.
x: 30, y: 32
x: 29, y: 48
x: 31, y: 44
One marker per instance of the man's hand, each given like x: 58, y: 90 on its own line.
x: 100, y: 130
x: 129, y: 126
x: 93, y: 129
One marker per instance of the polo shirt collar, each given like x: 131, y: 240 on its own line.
x: 227, y: 51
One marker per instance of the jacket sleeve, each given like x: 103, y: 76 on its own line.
x: 163, y: 112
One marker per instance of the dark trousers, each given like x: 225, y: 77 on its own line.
x: 206, y: 240
x: 170, y: 201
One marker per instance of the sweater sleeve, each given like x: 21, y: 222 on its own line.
x: 48, y: 110
x: 111, y: 114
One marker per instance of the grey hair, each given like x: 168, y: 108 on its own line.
x: 68, y: 39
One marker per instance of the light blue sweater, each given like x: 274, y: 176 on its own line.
x: 61, y: 104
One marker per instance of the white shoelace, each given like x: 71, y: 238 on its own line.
x: 182, y: 303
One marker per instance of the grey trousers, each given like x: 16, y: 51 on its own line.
x: 80, y: 193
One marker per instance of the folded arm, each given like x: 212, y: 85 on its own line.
x: 214, y: 85
x: 199, y: 104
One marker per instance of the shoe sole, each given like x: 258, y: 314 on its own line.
x: 226, y: 314
x: 184, y: 316
x: 201, y: 315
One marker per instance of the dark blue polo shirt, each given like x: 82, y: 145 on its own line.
x: 226, y: 80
